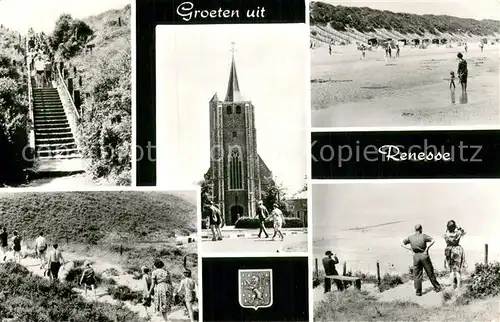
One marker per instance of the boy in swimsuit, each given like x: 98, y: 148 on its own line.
x: 88, y: 279
x: 452, y: 79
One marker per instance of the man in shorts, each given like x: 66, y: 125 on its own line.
x: 41, y: 250
x: 4, y: 243
x: 216, y: 222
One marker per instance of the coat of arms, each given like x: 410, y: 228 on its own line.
x: 255, y: 288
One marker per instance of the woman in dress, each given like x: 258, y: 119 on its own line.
x: 161, y: 287
x: 454, y: 253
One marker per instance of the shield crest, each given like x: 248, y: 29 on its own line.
x: 255, y: 288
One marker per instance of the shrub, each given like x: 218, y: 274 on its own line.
x: 485, y: 280
x: 253, y: 223
x: 124, y: 293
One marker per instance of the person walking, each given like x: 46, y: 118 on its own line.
x: 329, y: 267
x: 56, y: 260
x: 88, y: 279
x: 216, y: 221
x: 146, y: 284
x: 419, y: 245
x: 454, y: 253
x: 4, y: 243
x: 161, y: 287
x: 462, y: 71
x: 16, y: 241
x: 262, y: 214
x: 41, y: 250
x: 188, y: 286
x: 278, y: 220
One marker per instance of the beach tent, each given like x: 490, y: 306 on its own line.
x: 444, y: 41
x: 426, y: 40
x: 402, y: 42
x: 373, y: 42
x: 435, y: 41
x: 416, y: 41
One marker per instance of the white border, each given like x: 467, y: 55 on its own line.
x: 422, y: 129
x: 393, y: 181
x: 270, y: 284
x: 133, y: 44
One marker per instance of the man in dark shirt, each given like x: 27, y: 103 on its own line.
x: 4, y: 243
x: 462, y: 71
x: 262, y: 214
x: 216, y: 221
x: 329, y: 266
x: 421, y: 260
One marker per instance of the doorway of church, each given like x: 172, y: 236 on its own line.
x: 236, y: 213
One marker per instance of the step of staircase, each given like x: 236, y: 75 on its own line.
x: 53, y: 140
x: 55, y: 146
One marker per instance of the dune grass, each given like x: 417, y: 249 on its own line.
x: 97, y: 218
x: 25, y: 297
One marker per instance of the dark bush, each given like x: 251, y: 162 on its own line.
x: 485, y: 281
x: 253, y: 223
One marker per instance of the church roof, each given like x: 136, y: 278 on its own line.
x: 233, y: 88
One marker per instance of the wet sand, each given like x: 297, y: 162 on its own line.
x: 412, y: 90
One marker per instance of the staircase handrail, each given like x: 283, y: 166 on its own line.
x: 66, y: 91
x: 31, y: 136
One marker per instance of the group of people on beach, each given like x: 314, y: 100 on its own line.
x: 213, y: 213
x: 419, y: 244
x: 158, y: 289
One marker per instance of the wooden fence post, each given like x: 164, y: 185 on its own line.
x: 486, y: 254
x: 61, y: 66
x: 65, y: 73
x: 316, y: 267
x: 77, y: 100
x: 80, y: 83
x: 70, y: 86
x: 378, y: 273
x: 344, y: 269
x: 119, y: 21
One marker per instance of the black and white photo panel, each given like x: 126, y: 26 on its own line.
x: 66, y: 93
x: 255, y: 289
x: 232, y: 99
x: 103, y: 255
x: 404, y: 63
x: 406, y: 251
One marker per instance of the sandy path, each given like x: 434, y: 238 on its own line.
x: 410, y: 90
x: 33, y: 265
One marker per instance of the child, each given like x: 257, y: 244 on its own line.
x: 189, y: 287
x: 278, y: 219
x: 146, y: 279
x: 452, y: 79
x: 16, y: 241
x: 88, y: 279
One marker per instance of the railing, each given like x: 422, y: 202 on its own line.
x: 31, y: 127
x: 60, y: 82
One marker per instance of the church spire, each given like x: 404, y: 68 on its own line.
x: 233, y: 88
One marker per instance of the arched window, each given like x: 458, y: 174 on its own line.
x: 235, y: 170
x: 229, y: 109
x: 238, y: 109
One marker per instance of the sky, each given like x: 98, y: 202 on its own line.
x: 41, y: 15
x: 477, y: 9
x: 193, y: 63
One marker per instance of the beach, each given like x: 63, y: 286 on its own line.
x: 365, y: 223
x: 412, y: 90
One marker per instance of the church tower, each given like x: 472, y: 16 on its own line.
x: 235, y: 166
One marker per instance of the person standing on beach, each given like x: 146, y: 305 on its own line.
x: 329, y: 267
x: 41, y: 249
x: 462, y: 71
x: 419, y: 245
x: 481, y: 45
x: 330, y: 48
x: 465, y: 48
x: 4, y: 243
x: 397, y: 51
x: 262, y: 214
x: 452, y: 80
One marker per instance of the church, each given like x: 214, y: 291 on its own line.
x: 238, y: 172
